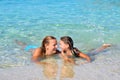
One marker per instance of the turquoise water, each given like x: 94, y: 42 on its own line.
x: 89, y: 22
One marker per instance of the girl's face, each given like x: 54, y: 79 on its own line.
x: 52, y: 46
x: 63, y: 46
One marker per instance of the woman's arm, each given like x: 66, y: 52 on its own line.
x: 66, y: 58
x: 63, y: 56
x: 37, y: 55
x: 85, y: 56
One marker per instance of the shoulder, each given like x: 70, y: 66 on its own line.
x: 38, y: 49
x: 76, y: 50
x: 37, y: 52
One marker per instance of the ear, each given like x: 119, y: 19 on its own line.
x: 46, y: 46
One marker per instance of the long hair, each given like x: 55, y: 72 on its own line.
x: 46, y: 41
x: 68, y: 40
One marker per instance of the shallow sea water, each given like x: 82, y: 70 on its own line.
x: 89, y: 22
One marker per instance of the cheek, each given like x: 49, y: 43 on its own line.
x: 53, y: 47
x: 62, y: 47
x: 50, y: 47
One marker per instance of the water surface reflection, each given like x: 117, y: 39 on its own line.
x: 56, y: 69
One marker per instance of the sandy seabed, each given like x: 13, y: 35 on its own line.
x: 104, y: 67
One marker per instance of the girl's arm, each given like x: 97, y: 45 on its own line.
x: 63, y: 56
x: 85, y: 56
x: 66, y: 58
x: 36, y: 56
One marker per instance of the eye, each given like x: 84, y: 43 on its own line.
x: 54, y: 44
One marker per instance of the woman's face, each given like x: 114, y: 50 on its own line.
x: 63, y: 46
x: 52, y: 46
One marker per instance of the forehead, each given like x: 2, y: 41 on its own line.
x: 52, y: 41
x: 61, y: 42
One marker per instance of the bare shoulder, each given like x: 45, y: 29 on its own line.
x: 37, y: 52
x: 76, y: 50
x: 38, y: 49
x: 36, y: 55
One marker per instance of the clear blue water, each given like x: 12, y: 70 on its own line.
x: 89, y: 22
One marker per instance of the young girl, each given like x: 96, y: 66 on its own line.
x: 69, y: 52
x: 48, y: 48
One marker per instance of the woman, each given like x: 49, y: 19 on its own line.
x: 69, y: 52
x: 48, y: 48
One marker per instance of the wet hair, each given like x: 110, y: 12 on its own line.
x: 46, y: 41
x: 68, y: 40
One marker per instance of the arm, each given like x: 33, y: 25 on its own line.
x: 100, y: 49
x: 66, y: 58
x: 36, y: 56
x: 85, y: 56
x: 63, y: 56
